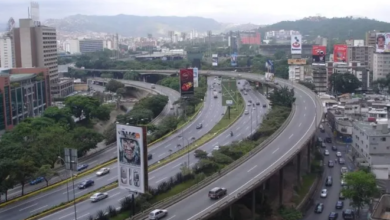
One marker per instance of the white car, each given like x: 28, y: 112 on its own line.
x: 103, y: 171
x: 343, y: 170
x: 158, y: 214
x: 246, y: 112
x: 343, y: 183
x: 216, y: 148
x: 338, y: 154
x: 326, y: 153
x: 249, y: 104
x: 98, y: 196
x: 324, y: 193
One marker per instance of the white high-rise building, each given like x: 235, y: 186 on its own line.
x: 6, y: 52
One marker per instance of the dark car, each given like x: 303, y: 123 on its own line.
x: 334, y: 148
x: 199, y: 126
x: 330, y: 163
x: 333, y: 216
x: 341, y: 160
x: 329, y: 181
x: 257, y: 103
x: 82, y: 167
x: 348, y: 214
x: 150, y: 156
x: 328, y: 140
x: 250, y: 101
x: 339, y: 204
x: 319, y: 208
x: 217, y: 192
x: 264, y: 106
x: 86, y: 184
x: 37, y: 180
x: 341, y: 196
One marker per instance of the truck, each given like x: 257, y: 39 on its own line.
x: 215, y: 94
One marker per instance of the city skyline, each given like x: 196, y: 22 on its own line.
x: 227, y: 11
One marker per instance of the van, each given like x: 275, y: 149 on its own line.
x: 217, y: 192
x: 328, y: 181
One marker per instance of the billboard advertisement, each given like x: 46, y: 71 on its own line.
x: 291, y: 73
x: 233, y: 59
x: 269, y: 77
x: 296, y: 61
x: 214, y: 59
x: 340, y: 53
x: 132, y: 158
x: 196, y: 77
x: 296, y: 44
x: 318, y: 54
x: 269, y: 65
x: 382, y: 43
x: 186, y: 82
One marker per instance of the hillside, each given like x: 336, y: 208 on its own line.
x: 333, y: 28
x: 130, y: 25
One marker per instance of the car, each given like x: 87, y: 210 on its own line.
x: 217, y: 192
x: 216, y: 148
x: 329, y: 181
x: 341, y: 160
x: 150, y: 156
x: 341, y: 196
x: 330, y: 163
x: 82, y: 167
x: 333, y: 216
x: 276, y: 83
x: 98, y: 196
x: 264, y: 106
x: 245, y: 93
x: 326, y: 152
x: 338, y: 154
x: 323, y: 145
x: 343, y: 183
x: 343, y: 170
x: 246, y: 112
x: 158, y: 214
x: 37, y: 180
x: 238, y: 82
x: 334, y: 148
x: 250, y: 101
x: 339, y: 204
x: 319, y: 208
x: 249, y: 104
x: 103, y: 171
x: 199, y: 126
x: 86, y: 184
x: 257, y: 103
x: 328, y: 140
x: 153, y: 86
x: 324, y: 193
x: 348, y: 214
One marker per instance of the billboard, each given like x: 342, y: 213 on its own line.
x: 196, y: 77
x: 132, y: 158
x: 296, y: 44
x: 233, y: 59
x: 296, y: 61
x: 382, y: 43
x: 318, y: 54
x: 269, y: 65
x: 291, y: 73
x: 186, y: 81
x: 269, y: 76
x: 340, y: 53
x: 214, y: 59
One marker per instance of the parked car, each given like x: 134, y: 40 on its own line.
x: 338, y: 154
x: 341, y: 196
x: 326, y: 152
x: 158, y: 214
x: 264, y: 106
x: 86, y: 184
x: 330, y: 163
x: 343, y: 183
x: 82, y: 167
x: 257, y: 103
x: 103, y: 171
x: 328, y: 140
x: 348, y: 214
x: 150, y: 156
x: 333, y: 216
x: 339, y: 204
x: 98, y: 196
x: 324, y: 193
x: 319, y: 208
x: 217, y: 192
x: 37, y: 180
x: 329, y: 181
x: 341, y: 160
x: 199, y: 126
x: 334, y: 148
x: 343, y: 170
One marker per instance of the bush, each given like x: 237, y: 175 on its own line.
x: 111, y: 211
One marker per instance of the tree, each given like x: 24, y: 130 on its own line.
x: 102, y: 112
x: 309, y: 85
x: 82, y: 106
x: 6, y: 176
x: 114, y: 85
x: 361, y: 188
x: 85, y: 139
x: 62, y: 116
x: 381, y: 84
x: 282, y: 97
x: 344, y: 83
x: 46, y: 172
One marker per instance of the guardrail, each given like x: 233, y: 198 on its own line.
x: 174, y: 199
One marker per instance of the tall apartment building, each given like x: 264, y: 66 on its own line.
x: 89, y: 45
x: 354, y: 67
x: 6, y: 51
x: 380, y: 65
x: 362, y: 54
x: 320, y: 77
x: 371, y: 38
x: 36, y: 46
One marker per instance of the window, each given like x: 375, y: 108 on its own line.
x: 383, y: 139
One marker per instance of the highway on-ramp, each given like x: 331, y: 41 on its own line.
x: 241, y: 129
x: 210, y: 115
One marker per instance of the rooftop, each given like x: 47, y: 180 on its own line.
x: 369, y: 129
x: 21, y: 76
x: 382, y: 209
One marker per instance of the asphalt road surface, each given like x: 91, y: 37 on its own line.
x: 241, y: 129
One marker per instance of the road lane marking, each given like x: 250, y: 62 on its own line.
x: 162, y: 154
x: 110, y: 196
x: 111, y: 179
x: 28, y: 207
x: 176, y: 165
x: 161, y: 180
x: 299, y: 124
x: 291, y: 136
x: 305, y: 108
x: 167, y: 146
x: 80, y: 217
x: 38, y: 208
x: 67, y: 215
x: 252, y: 168
x: 275, y: 150
x: 304, y: 115
x: 150, y: 178
x: 171, y: 217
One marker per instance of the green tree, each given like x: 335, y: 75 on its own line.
x: 344, y: 83
x: 114, y: 85
x: 381, y: 84
x: 85, y: 139
x: 7, y: 166
x: 82, y: 106
x: 361, y: 188
x: 61, y: 116
x: 170, y: 82
x: 309, y: 85
x: 46, y: 172
x: 102, y: 112
x: 282, y: 97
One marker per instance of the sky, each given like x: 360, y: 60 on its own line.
x: 225, y: 11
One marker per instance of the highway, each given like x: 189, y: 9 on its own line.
x: 241, y: 130
x: 210, y: 115
x: 100, y: 157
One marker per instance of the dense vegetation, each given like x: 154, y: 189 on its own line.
x: 32, y: 147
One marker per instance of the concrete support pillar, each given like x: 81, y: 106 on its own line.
x: 308, y: 159
x: 281, y: 180
x: 253, y: 204
x: 231, y: 212
x: 299, y: 167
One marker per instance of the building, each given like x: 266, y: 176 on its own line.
x: 371, y: 38
x: 36, y: 46
x: 251, y: 38
x: 320, y: 77
x: 280, y: 34
x: 90, y: 46
x: 24, y: 93
x: 381, y: 210
x: 362, y: 54
x: 380, y: 65
x: 297, y: 73
x: 354, y: 67
x: 340, y: 123
x: 6, y: 51
x: 72, y: 46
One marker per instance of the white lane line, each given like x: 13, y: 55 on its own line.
x: 252, y: 168
x: 161, y: 180
x: 112, y: 178
x: 28, y: 207
x: 171, y: 217
x: 305, y: 108
x: 304, y: 115
x: 247, y: 128
x: 38, y: 208
x: 176, y: 165
x: 238, y: 128
x: 150, y: 178
x: 291, y: 136
x: 114, y: 195
x: 162, y: 154
x: 81, y: 217
x: 67, y: 215
x: 275, y: 150
x: 167, y: 146
x: 299, y: 124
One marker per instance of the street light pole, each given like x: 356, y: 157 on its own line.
x: 67, y: 182
x: 188, y: 148
x: 74, y: 199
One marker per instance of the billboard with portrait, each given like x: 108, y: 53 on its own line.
x: 318, y: 54
x: 296, y: 44
x: 196, y: 77
x: 233, y: 59
x: 214, y: 59
x: 382, y: 43
x: 340, y: 53
x: 186, y: 82
x: 132, y: 158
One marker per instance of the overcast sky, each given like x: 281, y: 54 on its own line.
x: 227, y: 11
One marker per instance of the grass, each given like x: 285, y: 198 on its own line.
x: 174, y: 191
x: 121, y: 216
x: 307, y: 182
x: 229, y: 90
